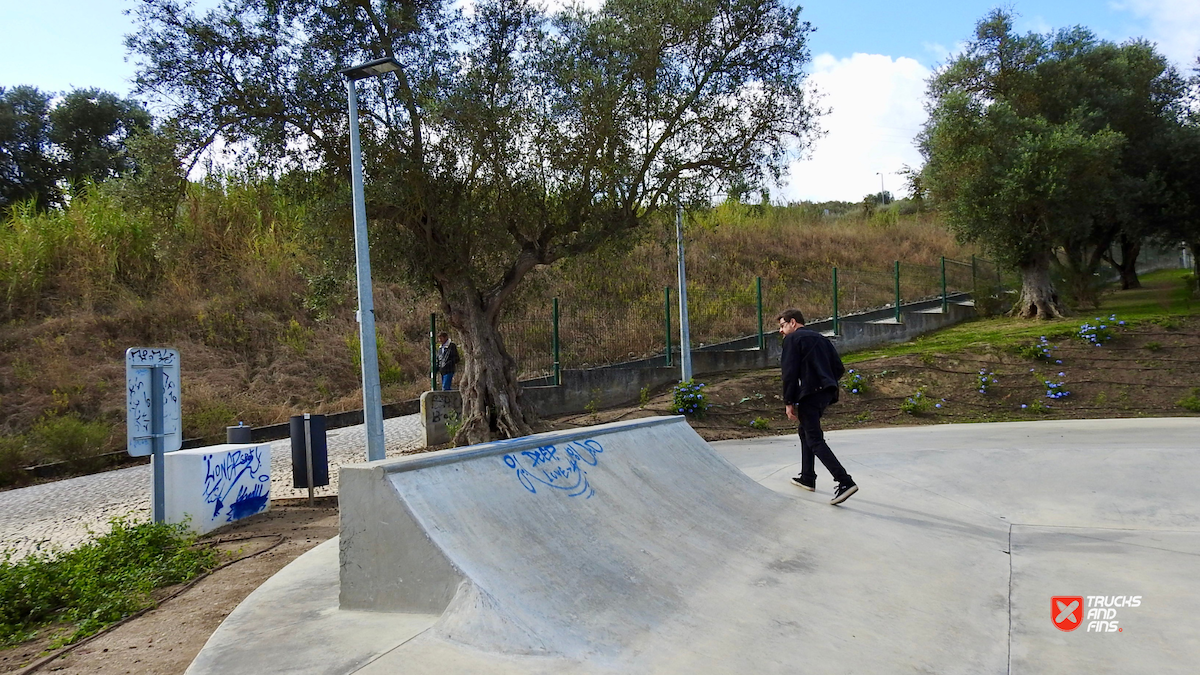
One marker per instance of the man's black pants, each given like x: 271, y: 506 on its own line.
x: 812, y: 439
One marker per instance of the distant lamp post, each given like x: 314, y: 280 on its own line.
x: 882, y: 192
x: 372, y: 399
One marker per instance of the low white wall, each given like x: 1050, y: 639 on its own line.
x: 213, y: 486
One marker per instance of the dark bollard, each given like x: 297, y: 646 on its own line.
x: 239, y: 435
x: 305, y: 463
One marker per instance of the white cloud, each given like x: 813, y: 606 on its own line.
x: 1173, y: 24
x: 878, y: 108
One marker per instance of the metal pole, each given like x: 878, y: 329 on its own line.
x: 881, y: 190
x: 685, y: 342
x: 758, y: 291
x: 668, y: 294
x: 433, y: 351
x: 308, y: 454
x: 557, y: 354
x: 945, y: 303
x: 157, y: 444
x: 897, y: 276
x: 837, y: 329
x: 372, y: 405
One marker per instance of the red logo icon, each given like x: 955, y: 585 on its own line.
x: 1066, y: 611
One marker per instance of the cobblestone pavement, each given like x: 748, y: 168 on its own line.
x: 65, y: 513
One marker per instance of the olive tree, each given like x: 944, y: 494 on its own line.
x: 508, y: 139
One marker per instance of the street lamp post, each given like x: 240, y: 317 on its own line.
x: 372, y: 403
x: 882, y: 199
x: 685, y: 341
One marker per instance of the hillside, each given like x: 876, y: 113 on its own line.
x: 257, y: 295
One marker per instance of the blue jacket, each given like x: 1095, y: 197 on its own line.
x: 810, y: 364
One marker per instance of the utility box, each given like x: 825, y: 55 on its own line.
x: 214, y: 486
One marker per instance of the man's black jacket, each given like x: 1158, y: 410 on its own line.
x: 810, y: 364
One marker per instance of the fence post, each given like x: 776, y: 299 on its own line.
x: 896, y: 274
x: 837, y: 330
x: 945, y: 302
x: 667, y: 290
x: 555, y: 346
x: 758, y: 291
x: 433, y: 351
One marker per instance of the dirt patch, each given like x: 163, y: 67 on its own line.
x: 167, y: 638
x: 1143, y: 371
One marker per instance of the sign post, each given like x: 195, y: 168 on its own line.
x: 153, y: 412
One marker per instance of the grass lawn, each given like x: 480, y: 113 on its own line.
x: 1163, y: 294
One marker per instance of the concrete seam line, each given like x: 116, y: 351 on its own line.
x: 389, y: 651
x: 1010, y: 587
x: 38, y: 664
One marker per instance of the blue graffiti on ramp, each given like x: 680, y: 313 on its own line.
x: 562, y: 468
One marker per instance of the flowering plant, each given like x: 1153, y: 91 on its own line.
x: 1055, y: 389
x: 986, y: 379
x: 918, y: 403
x: 856, y: 383
x: 689, y: 399
x: 1099, y: 333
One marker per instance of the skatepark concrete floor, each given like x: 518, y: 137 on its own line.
x: 1027, y: 547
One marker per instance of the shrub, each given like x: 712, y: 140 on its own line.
x: 1192, y: 402
x: 689, y: 399
x: 68, y: 437
x: 918, y: 403
x: 98, y: 583
x: 760, y: 423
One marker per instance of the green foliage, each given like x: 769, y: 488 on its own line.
x: 68, y: 437
x: 453, y: 423
x: 1153, y: 346
x: 644, y: 396
x: 28, y: 175
x: 296, y: 337
x: 760, y: 423
x: 917, y: 404
x: 688, y: 399
x: 98, y: 583
x: 1191, y: 402
x: 1039, y: 143
x: 90, y: 127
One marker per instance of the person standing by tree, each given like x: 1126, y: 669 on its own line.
x: 447, y: 359
x: 811, y: 370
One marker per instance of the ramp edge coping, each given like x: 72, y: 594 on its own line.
x: 450, y: 456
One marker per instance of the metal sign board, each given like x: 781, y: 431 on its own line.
x: 141, y: 365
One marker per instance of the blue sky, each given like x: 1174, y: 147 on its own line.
x: 871, y: 58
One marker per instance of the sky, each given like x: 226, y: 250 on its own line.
x: 871, y: 59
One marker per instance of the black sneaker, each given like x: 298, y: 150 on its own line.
x: 843, y: 492
x: 810, y: 486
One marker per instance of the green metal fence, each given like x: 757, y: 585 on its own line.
x: 545, y: 338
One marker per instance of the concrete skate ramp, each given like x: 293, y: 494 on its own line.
x: 574, y: 544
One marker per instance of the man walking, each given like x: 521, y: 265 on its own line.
x: 811, y: 370
x: 447, y: 359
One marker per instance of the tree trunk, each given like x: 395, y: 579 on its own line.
x: 1127, y: 267
x: 1194, y: 247
x: 491, y: 397
x: 1038, y: 299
